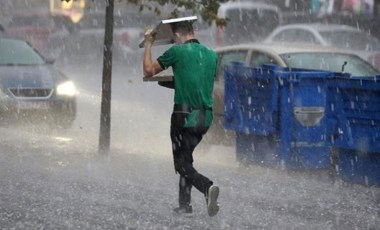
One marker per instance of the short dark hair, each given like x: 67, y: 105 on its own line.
x: 184, y: 27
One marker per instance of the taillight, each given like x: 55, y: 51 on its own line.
x: 125, y: 38
x: 374, y: 60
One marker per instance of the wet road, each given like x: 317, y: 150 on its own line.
x: 56, y: 180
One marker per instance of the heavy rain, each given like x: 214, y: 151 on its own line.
x: 52, y: 175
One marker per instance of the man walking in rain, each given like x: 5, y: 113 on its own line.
x: 194, y: 68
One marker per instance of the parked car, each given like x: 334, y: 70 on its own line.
x: 45, y: 32
x: 340, y: 36
x: 30, y: 86
x: 248, y: 21
x: 284, y: 55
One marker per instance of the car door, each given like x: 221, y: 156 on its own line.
x: 225, y: 58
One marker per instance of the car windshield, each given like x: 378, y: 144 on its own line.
x: 351, y: 39
x: 329, y: 61
x: 15, y: 52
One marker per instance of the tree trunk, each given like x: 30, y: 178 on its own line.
x: 105, y: 112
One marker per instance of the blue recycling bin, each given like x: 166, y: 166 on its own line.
x: 359, y: 167
x: 354, y: 114
x: 278, y: 115
x: 250, y: 102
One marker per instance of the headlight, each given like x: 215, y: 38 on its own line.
x: 66, y: 89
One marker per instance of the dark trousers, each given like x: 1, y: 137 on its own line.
x: 184, y: 141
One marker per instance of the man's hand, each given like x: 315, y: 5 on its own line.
x: 150, y: 68
x: 149, y: 36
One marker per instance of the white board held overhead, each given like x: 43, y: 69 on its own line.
x: 164, y: 34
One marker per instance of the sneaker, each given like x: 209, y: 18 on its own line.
x: 183, y: 209
x: 212, y: 200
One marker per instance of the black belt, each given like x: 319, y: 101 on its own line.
x: 188, y: 109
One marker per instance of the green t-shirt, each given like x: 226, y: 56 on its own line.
x: 194, y: 69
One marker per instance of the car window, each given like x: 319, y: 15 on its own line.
x: 295, y: 35
x: 226, y: 58
x: 259, y: 58
x: 351, y: 39
x: 14, y: 52
x: 331, y: 62
x: 305, y: 36
x: 285, y: 36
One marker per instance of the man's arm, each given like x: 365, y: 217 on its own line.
x: 150, y: 68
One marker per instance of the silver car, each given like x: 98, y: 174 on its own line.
x: 329, y: 35
x: 31, y: 87
x: 284, y: 55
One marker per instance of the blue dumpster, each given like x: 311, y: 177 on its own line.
x: 354, y: 114
x: 359, y: 167
x: 278, y: 115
